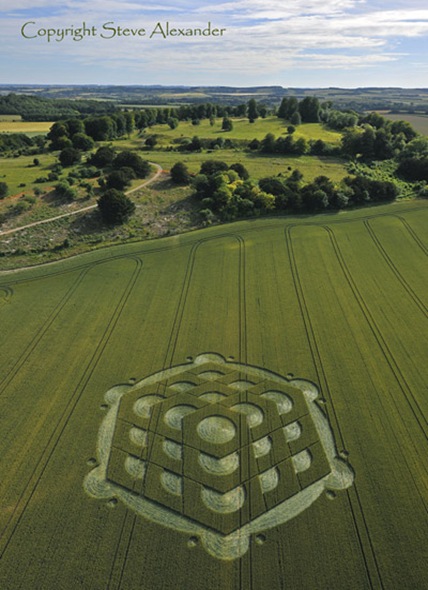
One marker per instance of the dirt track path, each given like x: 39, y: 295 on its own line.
x: 83, y: 209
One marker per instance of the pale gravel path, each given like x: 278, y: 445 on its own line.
x: 22, y: 227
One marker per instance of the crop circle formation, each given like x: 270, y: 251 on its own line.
x: 216, y: 449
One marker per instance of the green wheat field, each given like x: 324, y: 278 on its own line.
x: 338, y: 300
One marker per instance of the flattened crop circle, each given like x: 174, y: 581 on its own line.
x: 216, y: 429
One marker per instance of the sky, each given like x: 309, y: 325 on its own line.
x: 290, y: 43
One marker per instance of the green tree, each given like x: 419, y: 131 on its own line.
x: 120, y: 179
x: 287, y: 107
x: 313, y: 198
x: 195, y: 145
x: 132, y: 160
x: 300, y: 147
x: 4, y: 189
x: 69, y: 156
x: 103, y: 157
x: 296, y: 119
x: 74, y: 126
x: 57, y: 130
x: 83, y: 142
x: 210, y: 167
x: 115, y: 207
x: 129, y: 122
x: 151, y: 141
x: 309, y: 109
x: 64, y: 190
x: 241, y: 170
x: 100, y: 128
x: 227, y: 124
x: 180, y: 173
x: 272, y: 185
x: 268, y: 145
x: 253, y: 112
x: 173, y: 122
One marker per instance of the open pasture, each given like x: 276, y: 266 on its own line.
x: 244, y: 130
x: 12, y: 125
x: 20, y: 173
x: 94, y: 489
x: 258, y: 165
x: 10, y: 118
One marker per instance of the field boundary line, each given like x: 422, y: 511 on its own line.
x: 289, y: 221
x: 38, y: 471
x: 58, y: 273
x: 367, y: 552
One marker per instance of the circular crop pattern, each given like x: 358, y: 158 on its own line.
x: 216, y: 449
x: 216, y: 429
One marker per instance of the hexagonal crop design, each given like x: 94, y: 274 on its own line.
x: 218, y: 450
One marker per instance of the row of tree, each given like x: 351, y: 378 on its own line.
x: 20, y: 144
x: 82, y: 133
x: 36, y: 108
x: 227, y: 192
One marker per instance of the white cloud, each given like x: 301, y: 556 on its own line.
x: 257, y: 8
x: 262, y: 35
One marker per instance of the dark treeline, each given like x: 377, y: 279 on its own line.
x: 195, y: 112
x: 367, y: 137
x: 358, y: 99
x: 35, y: 108
x: 82, y: 133
x: 19, y: 143
x: 226, y: 192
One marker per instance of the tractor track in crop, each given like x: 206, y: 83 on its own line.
x: 389, y: 262
x: 383, y: 345
x: 41, y: 465
x: 122, y: 552
x: 362, y: 530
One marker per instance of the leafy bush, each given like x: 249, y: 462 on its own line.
x: 4, y: 189
x: 69, y: 156
x: 64, y: 190
x: 180, y: 173
x: 103, y: 157
x: 115, y: 207
x: 120, y: 179
x: 132, y: 160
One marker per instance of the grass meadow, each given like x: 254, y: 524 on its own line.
x: 244, y: 130
x: 337, y: 299
x: 10, y: 124
x: 22, y: 171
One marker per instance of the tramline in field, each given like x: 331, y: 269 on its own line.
x: 236, y: 408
